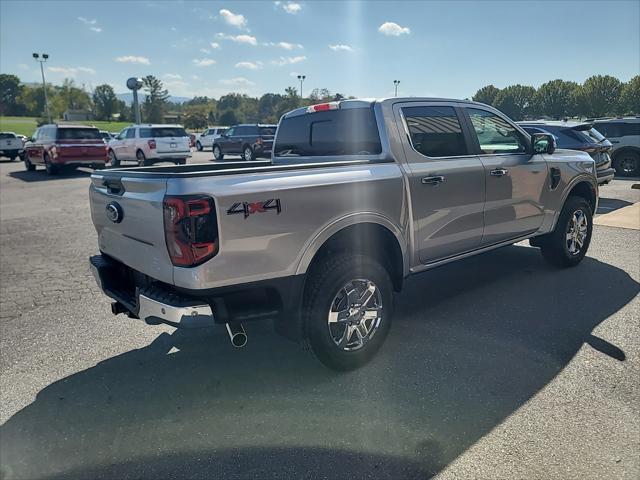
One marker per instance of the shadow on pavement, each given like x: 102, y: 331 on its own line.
x: 608, y: 205
x: 471, y: 343
x: 39, y: 175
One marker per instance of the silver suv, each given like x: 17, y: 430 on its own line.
x: 148, y: 144
x: 624, y: 134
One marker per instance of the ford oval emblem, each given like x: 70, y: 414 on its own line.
x: 114, y: 212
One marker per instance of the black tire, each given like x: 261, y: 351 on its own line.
x: 217, y: 153
x: 198, y: 146
x: 142, y: 160
x: 248, y: 154
x: 556, y: 247
x: 13, y: 158
x: 28, y: 165
x: 181, y: 161
x: 50, y: 167
x: 325, y: 284
x: 627, y: 163
x: 114, y: 162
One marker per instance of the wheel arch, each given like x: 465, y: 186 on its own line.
x: 627, y: 148
x: 371, y: 235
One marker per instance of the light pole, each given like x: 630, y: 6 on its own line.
x: 44, y: 85
x: 301, y: 78
x: 396, y: 83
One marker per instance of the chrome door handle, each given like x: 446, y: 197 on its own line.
x: 435, y: 180
x: 499, y: 172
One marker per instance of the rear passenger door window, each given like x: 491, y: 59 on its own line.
x: 495, y: 135
x: 435, y: 131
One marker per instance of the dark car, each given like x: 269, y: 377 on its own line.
x: 578, y: 136
x: 624, y: 133
x: 249, y: 140
x: 57, y: 146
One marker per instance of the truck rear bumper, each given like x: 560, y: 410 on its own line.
x: 153, y: 304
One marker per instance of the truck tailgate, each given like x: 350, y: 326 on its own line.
x: 136, y: 238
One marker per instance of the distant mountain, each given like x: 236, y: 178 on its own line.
x: 128, y: 98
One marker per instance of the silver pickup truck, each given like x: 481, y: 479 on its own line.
x: 358, y: 196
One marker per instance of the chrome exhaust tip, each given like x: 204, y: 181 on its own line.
x: 237, y: 335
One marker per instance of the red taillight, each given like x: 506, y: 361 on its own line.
x: 190, y: 229
x: 322, y: 107
x: 152, y: 144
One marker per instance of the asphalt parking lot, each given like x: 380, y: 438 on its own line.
x: 497, y: 366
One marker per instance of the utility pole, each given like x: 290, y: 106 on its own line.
x: 301, y: 78
x: 44, y: 85
x: 396, y: 83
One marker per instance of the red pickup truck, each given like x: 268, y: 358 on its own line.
x: 56, y: 146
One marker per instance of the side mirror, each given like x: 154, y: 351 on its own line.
x: 543, y: 143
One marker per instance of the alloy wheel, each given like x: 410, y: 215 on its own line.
x: 576, y: 232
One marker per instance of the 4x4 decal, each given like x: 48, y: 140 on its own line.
x: 249, y: 208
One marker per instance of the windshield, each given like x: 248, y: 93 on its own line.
x: 78, y: 134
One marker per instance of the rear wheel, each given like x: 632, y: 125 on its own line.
x: 217, y: 153
x: 567, y: 245
x: 198, y: 146
x: 347, y: 310
x: 142, y: 160
x: 113, y: 160
x: 28, y: 165
x: 248, y: 153
x: 627, y: 164
x: 13, y: 158
x: 181, y: 161
x: 50, y: 167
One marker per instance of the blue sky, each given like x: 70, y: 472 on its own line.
x: 434, y: 48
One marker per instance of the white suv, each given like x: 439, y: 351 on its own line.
x: 148, y: 144
x: 624, y: 134
x: 205, y: 140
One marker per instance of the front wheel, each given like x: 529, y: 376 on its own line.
x: 113, y: 160
x: 49, y: 166
x: 217, y: 153
x: 567, y: 245
x: 347, y: 308
x: 627, y: 164
x: 198, y: 146
x: 181, y: 161
x: 28, y: 165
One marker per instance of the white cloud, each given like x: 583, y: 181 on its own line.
x: 291, y: 7
x: 71, y: 71
x: 23, y: 66
x: 174, y: 29
x: 215, y: 45
x: 173, y: 76
x: 195, y: 77
x: 205, y: 51
x: 289, y: 60
x: 237, y: 81
x: 96, y: 29
x: 133, y: 59
x: 284, y: 45
x: 393, y: 29
x: 203, y: 62
x: 234, y: 19
x: 249, y: 65
x: 86, y: 21
x: 176, y: 84
x: 247, y: 39
x: 294, y: 74
x: 339, y: 47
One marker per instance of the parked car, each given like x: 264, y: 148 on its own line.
x: 206, y: 138
x: 149, y: 144
x: 579, y: 136
x: 248, y: 140
x: 10, y: 145
x: 359, y: 195
x: 57, y: 146
x: 106, y: 136
x: 624, y: 134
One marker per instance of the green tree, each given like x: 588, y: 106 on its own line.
x: 105, y: 102
x: 10, y: 90
x: 600, y: 95
x: 630, y: 96
x: 68, y: 97
x: 228, y: 117
x: 516, y: 101
x: 486, y: 95
x: 557, y: 99
x: 196, y: 116
x: 155, y: 102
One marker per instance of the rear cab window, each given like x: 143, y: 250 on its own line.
x: 160, y: 132
x: 435, y: 131
x: 344, y: 132
x: 78, y: 134
x: 267, y: 131
x: 6, y: 136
